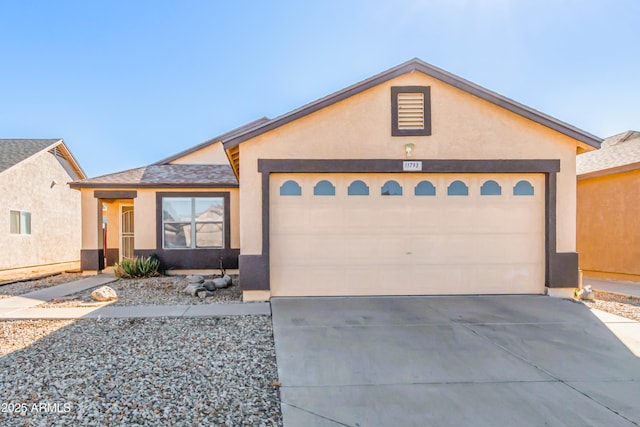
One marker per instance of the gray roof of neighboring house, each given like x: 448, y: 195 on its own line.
x: 13, y: 151
x: 192, y: 176
x: 616, y: 152
x: 416, y: 64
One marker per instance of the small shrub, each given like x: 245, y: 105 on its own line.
x: 138, y: 267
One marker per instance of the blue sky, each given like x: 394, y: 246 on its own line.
x: 127, y: 83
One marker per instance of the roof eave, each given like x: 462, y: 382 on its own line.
x: 435, y: 72
x: 609, y: 171
x: 80, y: 185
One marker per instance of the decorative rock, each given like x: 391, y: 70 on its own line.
x: 208, y: 285
x: 194, y: 278
x: 104, y: 293
x: 220, y: 283
x: 227, y: 279
x: 205, y: 293
x: 193, y: 289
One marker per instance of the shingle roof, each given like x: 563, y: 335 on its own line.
x: 13, y: 151
x: 179, y: 175
x: 616, y: 151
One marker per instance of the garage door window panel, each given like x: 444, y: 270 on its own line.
x: 290, y: 188
x: 324, y: 188
x: 458, y: 188
x: 523, y: 188
x: 358, y: 188
x: 490, y: 188
x: 425, y: 188
x: 391, y: 188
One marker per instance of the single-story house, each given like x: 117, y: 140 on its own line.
x: 414, y: 181
x: 609, y: 209
x: 40, y: 213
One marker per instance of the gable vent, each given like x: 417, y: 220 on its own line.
x: 410, y: 111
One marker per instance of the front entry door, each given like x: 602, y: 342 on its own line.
x: 127, y: 232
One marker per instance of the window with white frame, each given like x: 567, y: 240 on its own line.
x: 20, y: 222
x: 192, y: 222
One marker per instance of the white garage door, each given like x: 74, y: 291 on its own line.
x: 406, y: 234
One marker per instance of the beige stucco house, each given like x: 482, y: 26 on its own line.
x: 414, y: 181
x: 40, y: 213
x: 609, y: 209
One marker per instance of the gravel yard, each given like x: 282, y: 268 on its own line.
x: 139, y: 372
x: 19, y: 288
x: 164, y: 290
x: 621, y: 305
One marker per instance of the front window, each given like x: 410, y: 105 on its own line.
x: 192, y: 222
x: 20, y: 222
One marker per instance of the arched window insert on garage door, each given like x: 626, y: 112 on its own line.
x: 490, y: 188
x: 523, y: 188
x: 324, y: 188
x: 358, y: 188
x: 458, y: 188
x: 391, y: 188
x: 290, y: 188
x: 425, y: 188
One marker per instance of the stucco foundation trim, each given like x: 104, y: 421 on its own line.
x: 92, y: 259
x: 113, y: 256
x: 254, y: 272
x: 561, y: 269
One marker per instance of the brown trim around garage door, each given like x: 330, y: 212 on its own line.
x: 561, y: 269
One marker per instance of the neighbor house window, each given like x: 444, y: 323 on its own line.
x: 193, y: 222
x: 20, y: 222
x: 410, y: 111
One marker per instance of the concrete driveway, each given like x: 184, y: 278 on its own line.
x: 451, y: 361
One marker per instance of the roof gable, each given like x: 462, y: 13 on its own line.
x: 211, y: 141
x: 432, y: 71
x: 14, y: 151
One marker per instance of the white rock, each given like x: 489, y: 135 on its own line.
x: 104, y: 293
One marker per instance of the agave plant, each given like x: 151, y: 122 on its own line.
x: 138, y: 267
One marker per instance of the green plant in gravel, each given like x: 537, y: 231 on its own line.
x: 138, y: 267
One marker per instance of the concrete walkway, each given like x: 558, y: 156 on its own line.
x: 614, y: 286
x: 25, y: 306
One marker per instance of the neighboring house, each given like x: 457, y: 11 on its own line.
x: 609, y: 209
x: 40, y: 214
x: 413, y: 181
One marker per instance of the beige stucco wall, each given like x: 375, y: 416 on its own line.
x: 463, y: 127
x: 608, y: 227
x: 55, y: 214
x: 144, y: 206
x: 213, y: 154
